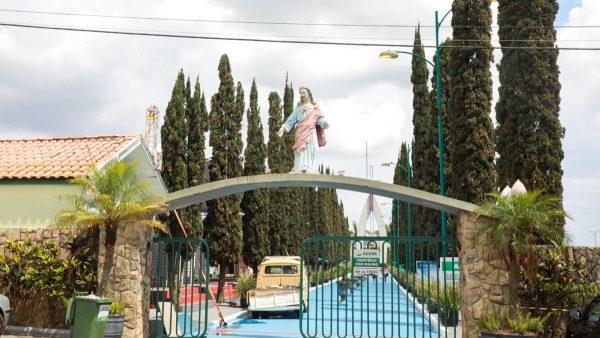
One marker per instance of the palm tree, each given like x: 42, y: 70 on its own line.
x: 111, y: 197
x: 516, y: 225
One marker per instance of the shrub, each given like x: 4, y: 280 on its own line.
x: 244, y: 284
x: 117, y: 308
x: 29, y: 268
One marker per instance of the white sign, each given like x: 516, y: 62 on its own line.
x: 366, y: 262
x: 450, y: 267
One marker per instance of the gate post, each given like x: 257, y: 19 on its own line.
x: 484, y: 276
x: 132, y: 266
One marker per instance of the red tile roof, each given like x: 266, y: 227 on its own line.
x: 60, y: 157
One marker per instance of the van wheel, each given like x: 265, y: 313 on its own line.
x: 255, y: 315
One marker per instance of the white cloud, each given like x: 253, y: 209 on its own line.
x: 66, y: 83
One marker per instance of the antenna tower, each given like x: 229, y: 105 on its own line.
x: 151, y: 134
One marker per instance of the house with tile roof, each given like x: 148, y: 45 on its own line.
x: 35, y: 172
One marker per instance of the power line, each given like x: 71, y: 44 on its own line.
x: 305, y: 42
x: 279, y: 23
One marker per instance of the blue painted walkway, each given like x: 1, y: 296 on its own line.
x: 376, y: 309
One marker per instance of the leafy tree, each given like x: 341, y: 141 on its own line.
x: 111, y: 197
x: 174, y: 146
x: 529, y: 132
x: 197, y: 120
x: 471, y: 149
x: 224, y: 224
x: 255, y: 203
x: 515, y: 225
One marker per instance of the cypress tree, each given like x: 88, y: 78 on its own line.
x: 197, y: 126
x: 529, y: 132
x: 224, y: 225
x: 275, y: 149
x: 255, y: 203
x: 173, y: 136
x: 399, y: 208
x: 293, y: 213
x: 421, y: 127
x: 470, y: 127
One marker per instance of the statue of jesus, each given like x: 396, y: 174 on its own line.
x: 310, y: 129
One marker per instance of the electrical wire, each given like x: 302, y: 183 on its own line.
x: 306, y: 42
x: 280, y: 23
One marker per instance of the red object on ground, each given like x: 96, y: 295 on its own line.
x: 192, y: 294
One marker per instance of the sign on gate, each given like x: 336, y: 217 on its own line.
x: 366, y: 262
x: 450, y: 268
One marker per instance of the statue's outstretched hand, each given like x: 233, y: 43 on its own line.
x: 280, y: 132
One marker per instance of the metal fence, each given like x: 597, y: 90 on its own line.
x: 179, y: 288
x: 380, y: 287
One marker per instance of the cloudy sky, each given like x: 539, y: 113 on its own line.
x: 57, y: 83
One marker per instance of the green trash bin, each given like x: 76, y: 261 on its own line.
x: 90, y: 316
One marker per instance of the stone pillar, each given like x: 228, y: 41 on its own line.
x: 484, y: 278
x: 133, y: 257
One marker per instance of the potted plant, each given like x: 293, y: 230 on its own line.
x: 448, y: 304
x: 244, y: 284
x: 493, y: 325
x: 116, y: 320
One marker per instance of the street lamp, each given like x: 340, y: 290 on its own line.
x: 390, y: 54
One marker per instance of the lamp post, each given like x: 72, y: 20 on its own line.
x: 408, y: 171
x: 392, y: 54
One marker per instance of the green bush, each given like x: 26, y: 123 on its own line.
x: 519, y: 324
x: 117, y: 308
x: 489, y: 322
x: 33, y: 268
x: 244, y: 284
x: 449, y: 298
x: 524, y: 323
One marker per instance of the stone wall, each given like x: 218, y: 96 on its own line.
x: 484, y: 278
x: 588, y: 257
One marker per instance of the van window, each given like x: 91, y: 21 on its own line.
x: 278, y: 269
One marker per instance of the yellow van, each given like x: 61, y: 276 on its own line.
x: 278, y: 287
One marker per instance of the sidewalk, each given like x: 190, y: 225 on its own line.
x: 229, y: 312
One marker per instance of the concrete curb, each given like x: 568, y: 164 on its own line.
x: 37, y: 331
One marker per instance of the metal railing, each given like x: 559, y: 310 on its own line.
x: 366, y: 287
x: 179, y: 287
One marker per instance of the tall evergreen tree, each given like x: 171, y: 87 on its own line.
x: 255, y: 203
x: 224, y: 224
x: 421, y: 127
x: 277, y: 197
x: 470, y: 127
x: 293, y: 211
x: 173, y: 135
x: 529, y: 132
x: 399, y: 208
x: 197, y: 125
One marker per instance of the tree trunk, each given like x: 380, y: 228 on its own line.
x: 106, y: 269
x: 221, y: 283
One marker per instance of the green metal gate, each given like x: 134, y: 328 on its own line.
x: 179, y: 287
x: 380, y: 287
